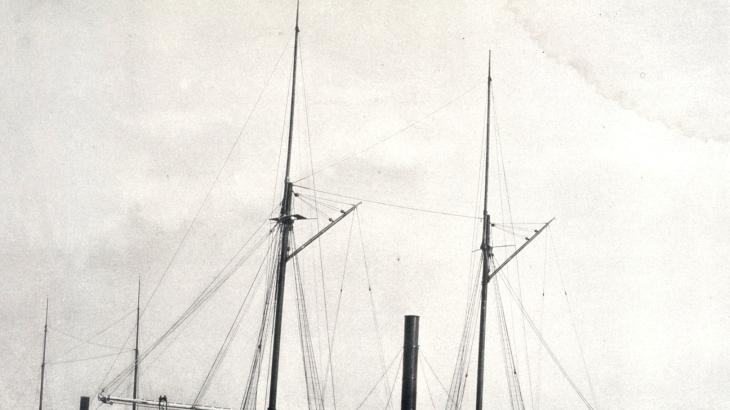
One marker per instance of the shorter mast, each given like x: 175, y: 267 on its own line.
x: 486, y: 248
x: 136, y: 348
x: 43, y: 364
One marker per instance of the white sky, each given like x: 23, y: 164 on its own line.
x: 611, y: 116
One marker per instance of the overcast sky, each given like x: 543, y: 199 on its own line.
x: 612, y: 116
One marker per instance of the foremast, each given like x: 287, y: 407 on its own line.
x: 486, y: 251
x: 286, y: 223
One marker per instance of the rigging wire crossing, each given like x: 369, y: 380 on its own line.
x: 394, y: 134
x: 544, y: 344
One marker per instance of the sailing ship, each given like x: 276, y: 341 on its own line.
x: 281, y: 261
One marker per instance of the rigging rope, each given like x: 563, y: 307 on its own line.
x: 213, y: 184
x: 78, y: 339
x: 218, y: 280
x: 572, y: 322
x: 85, y: 359
x: 320, y: 214
x: 232, y: 331
x: 460, y: 374
x: 319, y: 244
x: 516, y: 264
x: 435, y: 375
x: 540, y: 323
x: 406, y: 207
x: 383, y: 375
x: 392, y: 386
x: 324, y: 201
x: 371, y: 297
x: 282, y: 138
x: 421, y: 355
x: 382, y: 140
x: 203, y: 202
x: 265, y: 328
x: 314, y: 389
x: 544, y: 343
x: 92, y: 337
x: 329, y: 369
x: 509, y: 361
x: 428, y: 388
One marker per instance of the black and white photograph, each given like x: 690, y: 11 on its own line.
x: 356, y: 205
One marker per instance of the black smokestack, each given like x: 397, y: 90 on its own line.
x: 410, y: 363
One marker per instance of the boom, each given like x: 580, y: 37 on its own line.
x: 509, y: 258
x: 154, y: 404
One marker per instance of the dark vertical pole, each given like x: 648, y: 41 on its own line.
x: 410, y: 363
x: 286, y: 225
x: 43, y: 364
x: 84, y: 404
x: 486, y: 250
x: 136, y: 349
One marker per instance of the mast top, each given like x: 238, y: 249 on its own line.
x: 291, y: 106
x: 296, y: 25
x: 489, y: 67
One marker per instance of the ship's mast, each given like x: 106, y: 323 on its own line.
x: 136, y: 349
x: 43, y: 364
x: 486, y: 253
x: 286, y: 223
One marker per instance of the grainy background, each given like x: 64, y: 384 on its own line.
x: 115, y: 118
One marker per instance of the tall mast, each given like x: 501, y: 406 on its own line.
x: 136, y: 348
x: 286, y: 224
x: 486, y: 252
x: 43, y: 364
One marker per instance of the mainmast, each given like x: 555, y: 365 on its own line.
x: 286, y: 224
x: 486, y: 253
x: 43, y: 364
x: 136, y: 348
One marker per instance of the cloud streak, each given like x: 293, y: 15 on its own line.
x: 657, y: 60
